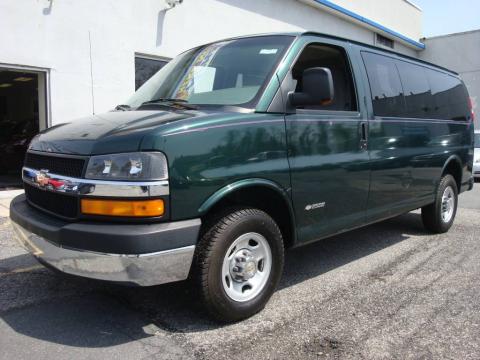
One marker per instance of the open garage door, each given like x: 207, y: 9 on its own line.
x: 22, y: 115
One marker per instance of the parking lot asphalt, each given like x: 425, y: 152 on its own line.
x: 387, y: 291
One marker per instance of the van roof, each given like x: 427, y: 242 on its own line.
x: 314, y: 33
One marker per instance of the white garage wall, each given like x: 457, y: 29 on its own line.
x: 401, y: 16
x: 89, y: 45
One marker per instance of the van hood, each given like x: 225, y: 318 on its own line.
x: 112, y: 132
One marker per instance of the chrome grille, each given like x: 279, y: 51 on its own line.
x: 67, y: 166
x: 59, y: 204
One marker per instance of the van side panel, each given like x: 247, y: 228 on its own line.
x: 209, y: 155
x: 407, y: 162
x: 408, y: 147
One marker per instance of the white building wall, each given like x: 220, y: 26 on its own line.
x: 403, y: 16
x: 89, y: 45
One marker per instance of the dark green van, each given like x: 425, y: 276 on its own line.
x: 238, y: 150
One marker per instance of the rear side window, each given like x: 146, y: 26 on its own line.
x: 385, y: 85
x: 403, y: 89
x: 416, y: 90
x: 450, y: 97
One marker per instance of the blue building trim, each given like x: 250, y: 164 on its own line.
x: 369, y: 22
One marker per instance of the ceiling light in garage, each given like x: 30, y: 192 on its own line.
x: 23, y: 78
x: 5, y: 85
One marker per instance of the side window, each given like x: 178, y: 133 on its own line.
x: 418, y: 98
x: 145, y: 68
x: 335, y: 59
x: 385, y: 85
x: 450, y: 97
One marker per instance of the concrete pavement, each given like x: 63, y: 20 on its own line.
x: 5, y: 197
x: 387, y: 291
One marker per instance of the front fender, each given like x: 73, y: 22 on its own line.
x: 242, y: 184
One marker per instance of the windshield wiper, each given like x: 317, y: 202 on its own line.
x: 165, y: 100
x: 123, y: 107
x: 173, y: 101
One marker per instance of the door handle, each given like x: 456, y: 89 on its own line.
x: 363, y: 136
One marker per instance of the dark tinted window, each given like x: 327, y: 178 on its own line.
x: 419, y: 92
x: 450, y: 97
x: 385, y: 85
x: 416, y: 89
x: 145, y: 69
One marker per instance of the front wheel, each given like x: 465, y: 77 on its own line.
x: 238, y: 263
x: 439, y: 216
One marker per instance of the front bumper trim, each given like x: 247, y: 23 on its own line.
x: 89, y: 187
x: 142, y: 270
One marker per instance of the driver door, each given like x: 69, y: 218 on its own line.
x: 327, y: 146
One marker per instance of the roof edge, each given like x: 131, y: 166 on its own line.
x: 413, y: 4
x: 452, y: 34
x: 367, y: 22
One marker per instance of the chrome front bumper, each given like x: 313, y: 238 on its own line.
x: 143, y: 270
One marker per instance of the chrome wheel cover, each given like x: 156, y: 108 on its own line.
x: 246, y: 267
x: 448, y: 204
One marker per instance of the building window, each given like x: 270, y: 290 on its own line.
x: 384, y: 41
x: 146, y: 67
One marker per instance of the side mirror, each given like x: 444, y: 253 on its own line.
x: 317, y: 88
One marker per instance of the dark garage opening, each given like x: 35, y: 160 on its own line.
x: 20, y: 120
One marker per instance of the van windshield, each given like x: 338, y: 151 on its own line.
x: 232, y: 72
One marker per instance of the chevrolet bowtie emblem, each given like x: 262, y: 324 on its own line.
x: 42, y: 178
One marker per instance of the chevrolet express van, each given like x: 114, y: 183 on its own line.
x: 238, y: 150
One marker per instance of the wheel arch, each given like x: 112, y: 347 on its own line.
x: 453, y: 166
x: 263, y: 194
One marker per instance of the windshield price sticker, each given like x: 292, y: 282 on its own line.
x: 268, y: 51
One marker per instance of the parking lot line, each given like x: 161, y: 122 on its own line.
x: 21, y: 270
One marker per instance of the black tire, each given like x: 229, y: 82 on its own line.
x: 432, y: 214
x: 219, y: 234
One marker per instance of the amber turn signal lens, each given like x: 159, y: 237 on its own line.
x: 134, y: 208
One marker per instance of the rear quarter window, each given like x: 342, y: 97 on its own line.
x: 450, y: 96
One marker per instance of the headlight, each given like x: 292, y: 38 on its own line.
x: 138, y: 166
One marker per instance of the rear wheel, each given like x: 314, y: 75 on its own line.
x: 238, y: 263
x: 439, y: 216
